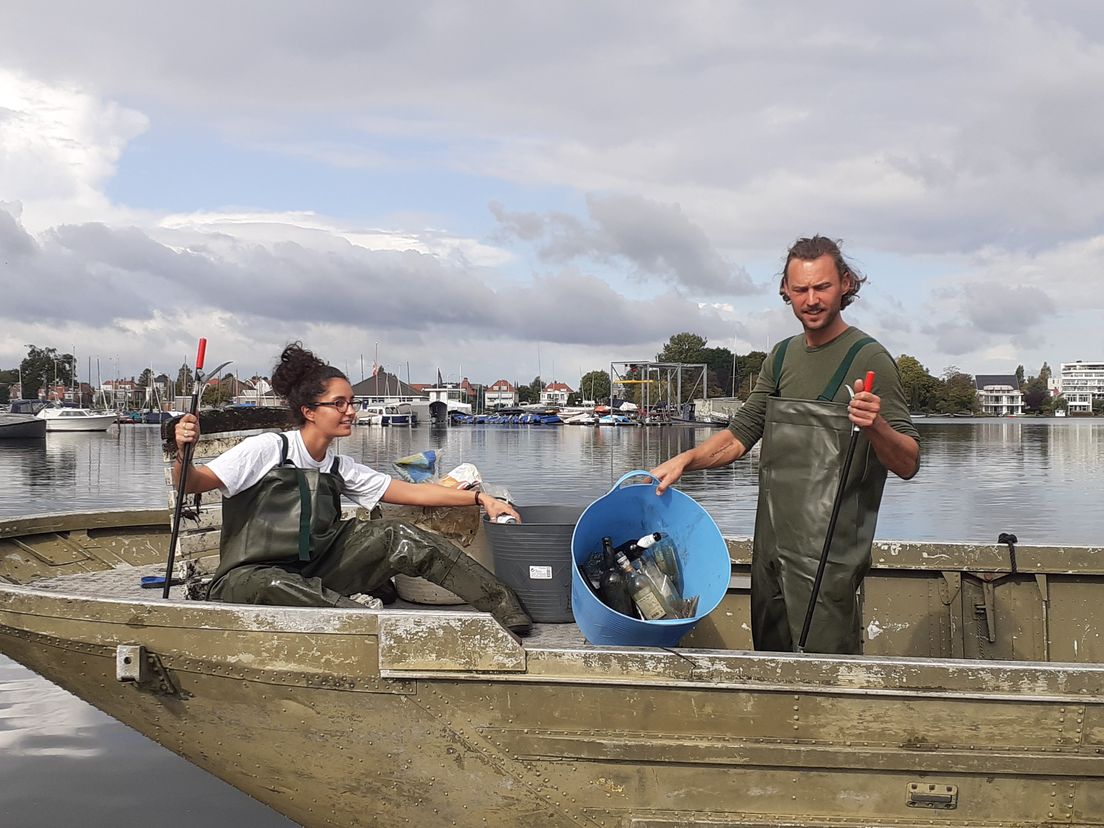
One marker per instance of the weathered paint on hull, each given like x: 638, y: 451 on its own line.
x: 397, y: 717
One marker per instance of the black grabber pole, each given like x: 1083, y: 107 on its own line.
x: 185, y: 461
x: 868, y: 385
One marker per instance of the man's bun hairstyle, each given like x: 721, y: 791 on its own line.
x: 300, y: 378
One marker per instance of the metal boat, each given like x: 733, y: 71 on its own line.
x: 76, y: 419
x: 979, y: 700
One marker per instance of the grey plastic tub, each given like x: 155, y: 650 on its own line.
x: 534, y: 558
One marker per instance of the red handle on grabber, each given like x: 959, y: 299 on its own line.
x: 868, y: 383
x: 203, y: 350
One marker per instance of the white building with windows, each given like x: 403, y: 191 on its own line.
x: 500, y: 394
x: 999, y: 395
x: 1079, y: 383
x: 555, y: 394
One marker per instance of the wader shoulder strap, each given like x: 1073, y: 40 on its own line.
x: 833, y: 386
x: 304, y: 516
x: 283, y: 449
x: 779, y: 358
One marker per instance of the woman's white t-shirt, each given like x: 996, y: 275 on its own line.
x: 251, y: 459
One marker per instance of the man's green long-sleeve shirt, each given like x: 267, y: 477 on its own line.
x: 806, y: 371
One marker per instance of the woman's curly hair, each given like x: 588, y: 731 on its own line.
x: 813, y: 248
x: 300, y: 378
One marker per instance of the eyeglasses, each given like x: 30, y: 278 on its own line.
x: 341, y: 405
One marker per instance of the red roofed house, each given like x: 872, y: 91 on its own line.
x: 500, y: 394
x: 555, y: 393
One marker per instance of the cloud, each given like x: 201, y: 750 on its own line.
x: 934, y: 130
x: 657, y: 240
x: 1006, y: 309
x: 979, y: 314
x: 707, y: 139
x: 76, y: 277
x: 59, y: 144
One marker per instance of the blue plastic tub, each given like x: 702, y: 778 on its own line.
x: 631, y: 510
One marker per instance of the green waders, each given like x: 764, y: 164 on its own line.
x: 283, y: 543
x: 803, y: 449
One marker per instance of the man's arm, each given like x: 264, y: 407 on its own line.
x: 898, y: 452
x: 729, y: 445
x: 719, y: 450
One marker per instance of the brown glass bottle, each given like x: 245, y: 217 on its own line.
x: 611, y: 587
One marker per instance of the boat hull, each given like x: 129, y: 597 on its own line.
x: 21, y: 427
x: 358, y: 717
x: 87, y: 422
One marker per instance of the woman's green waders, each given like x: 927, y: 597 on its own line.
x: 803, y: 448
x: 284, y: 544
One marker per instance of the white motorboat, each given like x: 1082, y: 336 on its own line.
x: 75, y: 419
x: 386, y: 415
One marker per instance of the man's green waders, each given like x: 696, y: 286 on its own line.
x: 803, y: 449
x: 284, y: 544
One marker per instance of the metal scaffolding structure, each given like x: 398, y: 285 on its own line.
x: 662, y: 391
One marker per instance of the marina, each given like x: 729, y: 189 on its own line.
x: 586, y: 458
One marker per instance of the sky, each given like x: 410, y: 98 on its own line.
x: 501, y: 190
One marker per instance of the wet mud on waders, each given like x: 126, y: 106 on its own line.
x: 284, y: 544
x: 803, y: 449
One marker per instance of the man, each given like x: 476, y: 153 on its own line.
x: 800, y: 409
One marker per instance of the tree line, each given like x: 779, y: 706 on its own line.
x: 47, y: 367
x: 955, y: 392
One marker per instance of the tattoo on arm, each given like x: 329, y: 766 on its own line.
x: 720, y: 452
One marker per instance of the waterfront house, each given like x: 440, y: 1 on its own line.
x: 121, y: 393
x: 383, y: 388
x: 1081, y: 382
x: 999, y: 395
x: 500, y: 394
x: 555, y: 394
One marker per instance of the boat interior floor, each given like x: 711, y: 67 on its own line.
x: 125, y: 583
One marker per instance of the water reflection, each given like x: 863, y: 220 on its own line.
x: 116, y: 469
x: 66, y: 763
x: 1037, y: 478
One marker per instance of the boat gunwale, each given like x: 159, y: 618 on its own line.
x: 532, y: 661
x: 628, y: 666
x: 973, y: 556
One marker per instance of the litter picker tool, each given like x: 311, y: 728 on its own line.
x: 868, y: 385
x: 185, y: 461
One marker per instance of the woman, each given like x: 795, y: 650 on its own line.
x: 283, y: 541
